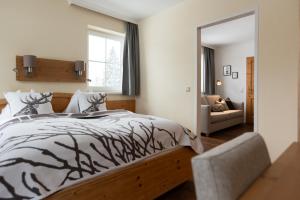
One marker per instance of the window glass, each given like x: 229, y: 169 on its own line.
x: 105, y: 61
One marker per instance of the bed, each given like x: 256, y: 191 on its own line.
x: 104, y: 155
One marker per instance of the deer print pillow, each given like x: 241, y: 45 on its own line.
x: 29, y: 103
x: 92, y: 102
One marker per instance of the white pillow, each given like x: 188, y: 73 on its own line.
x: 28, y: 103
x: 73, y: 106
x: 92, y: 102
x: 6, y: 113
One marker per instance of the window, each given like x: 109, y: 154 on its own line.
x: 105, y: 60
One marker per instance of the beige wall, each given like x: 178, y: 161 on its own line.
x: 168, y: 49
x: 47, y: 29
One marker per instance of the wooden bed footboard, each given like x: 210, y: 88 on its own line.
x: 145, y: 179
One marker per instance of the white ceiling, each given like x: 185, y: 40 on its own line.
x: 129, y: 10
x: 235, y: 31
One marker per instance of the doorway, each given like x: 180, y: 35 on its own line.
x: 230, y: 79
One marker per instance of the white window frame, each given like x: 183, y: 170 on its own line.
x: 110, y: 35
x: 202, y: 71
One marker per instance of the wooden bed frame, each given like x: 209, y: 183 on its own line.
x: 146, y: 179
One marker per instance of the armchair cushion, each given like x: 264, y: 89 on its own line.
x: 238, y: 105
x: 204, y: 100
x: 223, y: 102
x: 229, y: 103
x: 211, y: 99
x: 226, y: 115
x: 218, y: 117
x: 217, y: 108
x: 234, y: 113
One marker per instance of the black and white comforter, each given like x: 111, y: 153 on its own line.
x: 41, y: 154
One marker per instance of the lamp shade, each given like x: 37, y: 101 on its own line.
x: 29, y: 61
x: 79, y: 65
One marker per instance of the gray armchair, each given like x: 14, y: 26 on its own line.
x: 214, y: 121
x: 225, y: 172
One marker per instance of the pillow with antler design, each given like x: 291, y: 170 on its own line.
x: 92, y: 102
x: 29, y: 103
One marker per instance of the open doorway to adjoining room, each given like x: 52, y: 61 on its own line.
x: 227, y: 75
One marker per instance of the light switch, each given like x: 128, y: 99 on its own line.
x: 188, y: 89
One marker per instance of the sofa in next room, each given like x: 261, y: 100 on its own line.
x: 215, y: 121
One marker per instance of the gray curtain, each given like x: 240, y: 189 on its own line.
x: 131, y: 61
x: 209, y: 70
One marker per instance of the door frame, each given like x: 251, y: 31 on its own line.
x: 197, y: 82
x: 252, y: 58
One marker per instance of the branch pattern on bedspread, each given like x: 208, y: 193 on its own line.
x: 68, y: 150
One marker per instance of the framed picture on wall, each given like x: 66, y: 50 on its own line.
x: 235, y: 75
x: 227, y: 70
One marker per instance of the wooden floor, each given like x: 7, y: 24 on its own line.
x: 225, y: 135
x: 186, y: 191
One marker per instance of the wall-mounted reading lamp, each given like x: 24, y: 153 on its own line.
x: 79, y: 67
x: 29, y: 62
x: 219, y: 83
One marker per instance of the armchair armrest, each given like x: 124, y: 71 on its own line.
x: 205, y: 118
x: 238, y: 105
x: 205, y: 110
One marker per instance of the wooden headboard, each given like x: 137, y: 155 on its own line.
x: 61, y: 100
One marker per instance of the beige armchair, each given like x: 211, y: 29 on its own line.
x: 215, y: 121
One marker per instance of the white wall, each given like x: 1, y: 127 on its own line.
x: 234, y: 55
x: 48, y: 29
x: 169, y: 59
